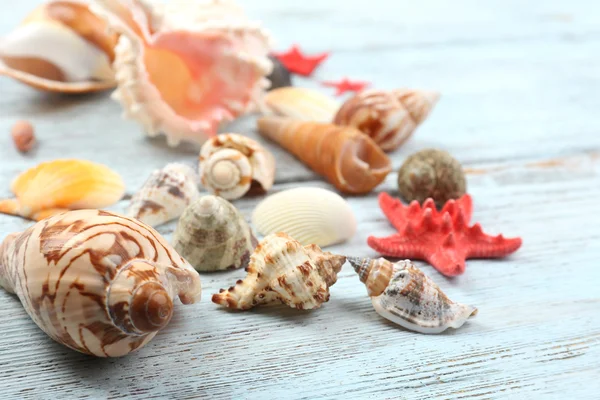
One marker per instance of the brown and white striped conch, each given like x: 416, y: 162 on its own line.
x: 61, y: 46
x: 185, y: 67
x: 281, y: 270
x: 403, y: 294
x: 350, y: 160
x: 165, y: 195
x: 231, y: 165
x: 388, y: 117
x: 96, y: 282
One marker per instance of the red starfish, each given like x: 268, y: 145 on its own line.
x: 295, y: 61
x: 346, y: 85
x: 443, y: 239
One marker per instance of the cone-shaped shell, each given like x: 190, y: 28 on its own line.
x: 282, y: 271
x: 310, y: 215
x: 232, y: 164
x: 301, y: 104
x: 403, y: 294
x: 57, y: 186
x: 186, y: 67
x: 389, y: 118
x: 61, y: 46
x: 165, y: 195
x: 212, y: 235
x: 96, y: 282
x: 350, y: 160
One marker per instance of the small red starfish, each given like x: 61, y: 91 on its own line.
x: 346, y: 85
x: 298, y: 63
x: 443, y: 239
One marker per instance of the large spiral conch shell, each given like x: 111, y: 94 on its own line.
x: 403, y: 294
x: 231, y: 164
x: 165, y: 195
x: 61, y: 46
x: 389, y: 118
x: 212, y: 235
x: 185, y: 67
x: 61, y: 185
x: 350, y: 160
x: 96, y: 282
x: 282, y: 271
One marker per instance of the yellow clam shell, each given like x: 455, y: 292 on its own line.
x: 60, y: 185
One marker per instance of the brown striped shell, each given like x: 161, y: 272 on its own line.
x: 96, y: 282
x: 231, y: 164
x: 389, y: 118
x: 281, y: 270
x: 403, y: 294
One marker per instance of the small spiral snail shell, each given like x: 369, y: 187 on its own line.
x: 96, y: 282
x: 231, y: 164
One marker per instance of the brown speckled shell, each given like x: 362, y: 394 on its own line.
x: 431, y: 173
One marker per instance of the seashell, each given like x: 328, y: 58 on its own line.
x: 231, y: 165
x: 23, y: 136
x: 301, y: 104
x: 351, y: 161
x: 309, y: 214
x: 61, y: 185
x: 280, y: 76
x: 403, y: 294
x: 389, y: 118
x: 282, y: 271
x: 185, y: 67
x: 96, y: 282
x: 212, y: 235
x: 62, y: 47
x: 431, y: 173
x: 165, y: 195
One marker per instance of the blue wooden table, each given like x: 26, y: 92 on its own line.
x: 520, y: 84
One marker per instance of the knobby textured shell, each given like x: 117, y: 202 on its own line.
x: 389, y: 118
x: 231, y: 164
x: 403, y: 294
x: 212, y: 235
x: 57, y: 186
x: 282, y: 271
x: 308, y: 214
x: 165, y: 195
x: 350, y: 160
x: 301, y: 104
x: 185, y: 67
x: 431, y: 173
x: 61, y: 46
x: 96, y: 282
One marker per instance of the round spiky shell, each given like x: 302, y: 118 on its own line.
x: 431, y: 173
x: 282, y: 271
x: 212, y: 235
x: 230, y: 164
x: 308, y: 214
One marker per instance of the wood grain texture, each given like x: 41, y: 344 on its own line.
x: 519, y: 83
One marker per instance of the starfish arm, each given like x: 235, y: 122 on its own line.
x: 398, y: 247
x: 481, y: 245
x: 448, y: 261
x: 394, y: 211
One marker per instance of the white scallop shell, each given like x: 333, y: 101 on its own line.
x: 309, y: 214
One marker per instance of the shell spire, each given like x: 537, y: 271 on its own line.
x: 403, y: 294
x: 185, y: 67
x: 281, y: 270
x: 96, y: 282
x: 350, y: 160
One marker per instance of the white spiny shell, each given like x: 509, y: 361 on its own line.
x: 61, y: 46
x: 282, y: 271
x: 231, y: 163
x: 309, y: 214
x: 165, y: 195
x: 301, y: 104
x: 403, y: 294
x: 96, y: 282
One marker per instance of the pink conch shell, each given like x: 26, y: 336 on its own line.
x: 184, y: 68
